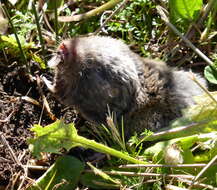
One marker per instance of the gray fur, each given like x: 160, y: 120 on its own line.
x: 98, y: 72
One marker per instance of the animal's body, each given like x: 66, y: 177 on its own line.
x: 94, y: 73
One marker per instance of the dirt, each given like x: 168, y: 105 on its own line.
x: 17, y: 115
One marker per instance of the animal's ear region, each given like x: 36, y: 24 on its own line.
x: 63, y: 49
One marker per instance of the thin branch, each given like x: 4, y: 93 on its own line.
x: 45, y: 102
x: 30, y: 100
x: 163, y: 165
x: 47, y: 22
x: 89, y: 14
x: 146, y: 174
x: 23, y: 178
x: 11, y: 152
x: 173, y: 187
x: 197, y: 184
x: 36, y: 167
x: 7, y: 119
x: 14, y: 157
x: 120, y: 8
x: 171, y: 131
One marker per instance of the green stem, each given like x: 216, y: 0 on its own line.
x: 104, y: 149
x: 56, y: 20
x: 38, y: 28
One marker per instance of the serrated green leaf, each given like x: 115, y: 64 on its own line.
x: 52, y: 138
x: 58, y: 135
x: 64, y: 173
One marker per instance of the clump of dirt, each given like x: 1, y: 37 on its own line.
x: 17, y: 116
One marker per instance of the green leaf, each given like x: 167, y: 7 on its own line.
x: 64, y: 174
x: 158, y: 149
x: 51, y: 4
x: 210, y: 73
x: 184, y: 9
x: 194, y: 149
x: 38, y: 59
x: 52, y: 138
x: 9, y: 44
x: 185, y: 143
x: 58, y: 135
x: 204, y: 112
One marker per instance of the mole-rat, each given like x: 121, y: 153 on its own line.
x: 95, y: 74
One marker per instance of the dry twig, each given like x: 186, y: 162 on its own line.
x: 163, y: 165
x: 14, y: 158
x: 197, y: 184
x: 11, y: 152
x: 146, y: 174
x: 173, y: 187
x: 89, y: 14
x: 45, y: 102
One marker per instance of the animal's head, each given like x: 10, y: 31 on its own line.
x: 65, y: 55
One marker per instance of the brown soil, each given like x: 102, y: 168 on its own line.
x: 17, y: 116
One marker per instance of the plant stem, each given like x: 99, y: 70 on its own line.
x: 38, y: 28
x: 56, y: 19
x: 104, y: 149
